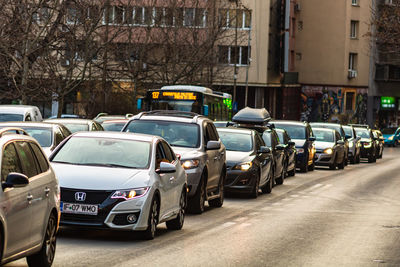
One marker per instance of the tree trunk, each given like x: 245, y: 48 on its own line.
x: 60, y: 105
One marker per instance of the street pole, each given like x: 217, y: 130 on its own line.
x: 247, y: 69
x: 236, y: 54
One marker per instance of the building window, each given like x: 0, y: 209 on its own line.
x: 293, y: 28
x: 353, y: 29
x: 239, y: 55
x: 354, y: 2
x: 349, y: 101
x: 352, y: 61
x: 232, y: 18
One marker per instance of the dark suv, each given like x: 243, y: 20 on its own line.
x: 195, y: 139
x: 369, y: 147
x: 300, y: 133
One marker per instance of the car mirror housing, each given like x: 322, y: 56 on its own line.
x: 348, y: 136
x: 166, y: 167
x: 280, y: 147
x: 340, y: 142
x: 264, y: 149
x: 213, y: 145
x: 15, y: 179
x: 291, y: 143
x: 311, y: 138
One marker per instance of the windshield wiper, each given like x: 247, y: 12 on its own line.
x: 111, y: 165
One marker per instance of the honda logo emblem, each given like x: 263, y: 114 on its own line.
x: 80, y: 196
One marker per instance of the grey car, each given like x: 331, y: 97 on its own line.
x: 77, y: 125
x: 195, y: 139
x: 49, y: 135
x: 330, y: 148
x: 30, y: 201
x: 354, y: 144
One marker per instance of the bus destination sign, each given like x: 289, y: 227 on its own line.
x: 173, y: 95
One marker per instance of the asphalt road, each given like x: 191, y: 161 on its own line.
x: 345, y: 217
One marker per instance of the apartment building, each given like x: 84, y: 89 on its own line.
x: 332, y: 58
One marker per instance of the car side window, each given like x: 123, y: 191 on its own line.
x: 44, y: 165
x: 160, y: 156
x: 9, y: 162
x: 99, y: 127
x: 210, y: 135
x: 28, y: 161
x: 338, y: 136
x: 258, y: 141
x: 28, y: 118
x: 169, y: 154
x: 93, y: 127
x: 215, y: 131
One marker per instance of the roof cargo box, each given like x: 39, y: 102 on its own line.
x: 248, y: 115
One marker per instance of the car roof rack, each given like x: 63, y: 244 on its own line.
x: 176, y: 113
x: 12, y: 130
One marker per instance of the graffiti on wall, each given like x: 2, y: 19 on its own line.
x: 334, y: 104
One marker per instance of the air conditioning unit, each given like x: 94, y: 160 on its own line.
x: 297, y: 7
x: 352, y: 74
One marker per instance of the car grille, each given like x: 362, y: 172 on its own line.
x: 92, y: 196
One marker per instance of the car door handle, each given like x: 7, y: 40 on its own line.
x: 215, y: 158
x: 222, y: 153
x: 47, y: 191
x: 29, y: 198
x: 172, y: 179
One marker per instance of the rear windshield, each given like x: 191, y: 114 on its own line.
x: 323, y: 136
x: 175, y: 133
x: 11, y: 117
x: 74, y: 127
x: 236, y: 141
x: 362, y: 132
x: 115, y: 126
x: 44, y: 136
x: 294, y: 131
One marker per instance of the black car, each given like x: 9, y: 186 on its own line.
x: 338, y: 127
x: 301, y: 133
x: 248, y: 161
x: 379, y: 141
x: 369, y: 147
x: 271, y: 140
x: 290, y: 151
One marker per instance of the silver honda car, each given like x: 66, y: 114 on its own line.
x: 122, y: 181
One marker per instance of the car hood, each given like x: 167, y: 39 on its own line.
x: 365, y: 140
x: 99, y: 178
x: 187, y: 153
x: 234, y: 157
x: 323, y: 145
x: 387, y: 135
x: 299, y: 142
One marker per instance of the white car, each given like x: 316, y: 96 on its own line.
x: 29, y: 200
x: 20, y: 113
x: 121, y: 181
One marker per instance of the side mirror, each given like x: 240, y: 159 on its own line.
x: 264, y: 149
x: 16, y: 180
x: 280, y: 147
x: 348, y: 136
x: 178, y: 156
x: 311, y: 138
x: 291, y: 143
x: 340, y: 142
x: 166, y: 167
x: 213, y: 145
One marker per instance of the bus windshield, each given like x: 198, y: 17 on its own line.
x: 181, y: 105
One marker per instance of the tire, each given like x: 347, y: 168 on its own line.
x: 311, y: 167
x: 292, y: 172
x: 333, y: 165
x: 341, y: 165
x: 152, y: 221
x: 353, y: 160
x: 281, y: 178
x: 371, y: 158
x: 358, y: 158
x: 346, y: 160
x: 256, y: 187
x: 177, y: 223
x: 303, y: 167
x: 267, y: 188
x: 196, y: 203
x: 218, y: 202
x: 45, y: 256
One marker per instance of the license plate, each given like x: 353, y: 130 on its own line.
x: 76, y: 208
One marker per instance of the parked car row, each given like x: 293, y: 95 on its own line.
x: 153, y: 168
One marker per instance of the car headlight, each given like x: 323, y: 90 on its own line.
x: 243, y: 166
x: 328, y: 151
x: 190, y: 164
x: 130, y: 193
x: 351, y: 144
x: 391, y: 138
x: 300, y: 150
x: 368, y: 145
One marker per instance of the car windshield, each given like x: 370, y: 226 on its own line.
x: 75, y: 127
x: 328, y: 126
x: 348, y: 130
x: 236, y: 141
x: 362, y: 132
x: 389, y: 130
x: 115, y: 126
x: 323, y: 136
x: 175, y: 133
x: 106, y: 152
x: 44, y: 136
x: 11, y: 117
x: 267, y: 138
x: 280, y: 135
x: 294, y: 131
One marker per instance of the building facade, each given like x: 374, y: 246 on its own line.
x: 332, y: 58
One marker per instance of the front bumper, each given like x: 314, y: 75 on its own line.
x: 112, y: 213
x: 322, y: 159
x: 238, y: 181
x: 193, y: 178
x: 366, y: 152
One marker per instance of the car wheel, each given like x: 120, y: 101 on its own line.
x: 256, y: 187
x: 332, y: 166
x: 267, y: 188
x: 45, y: 256
x: 218, y: 202
x: 196, y: 203
x: 346, y: 160
x: 292, y: 172
x: 358, y: 158
x: 281, y: 178
x: 152, y: 221
x: 342, y: 164
x: 353, y: 160
x: 311, y: 167
x: 177, y: 223
x: 303, y: 167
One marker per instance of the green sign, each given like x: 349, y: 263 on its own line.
x: 388, y: 102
